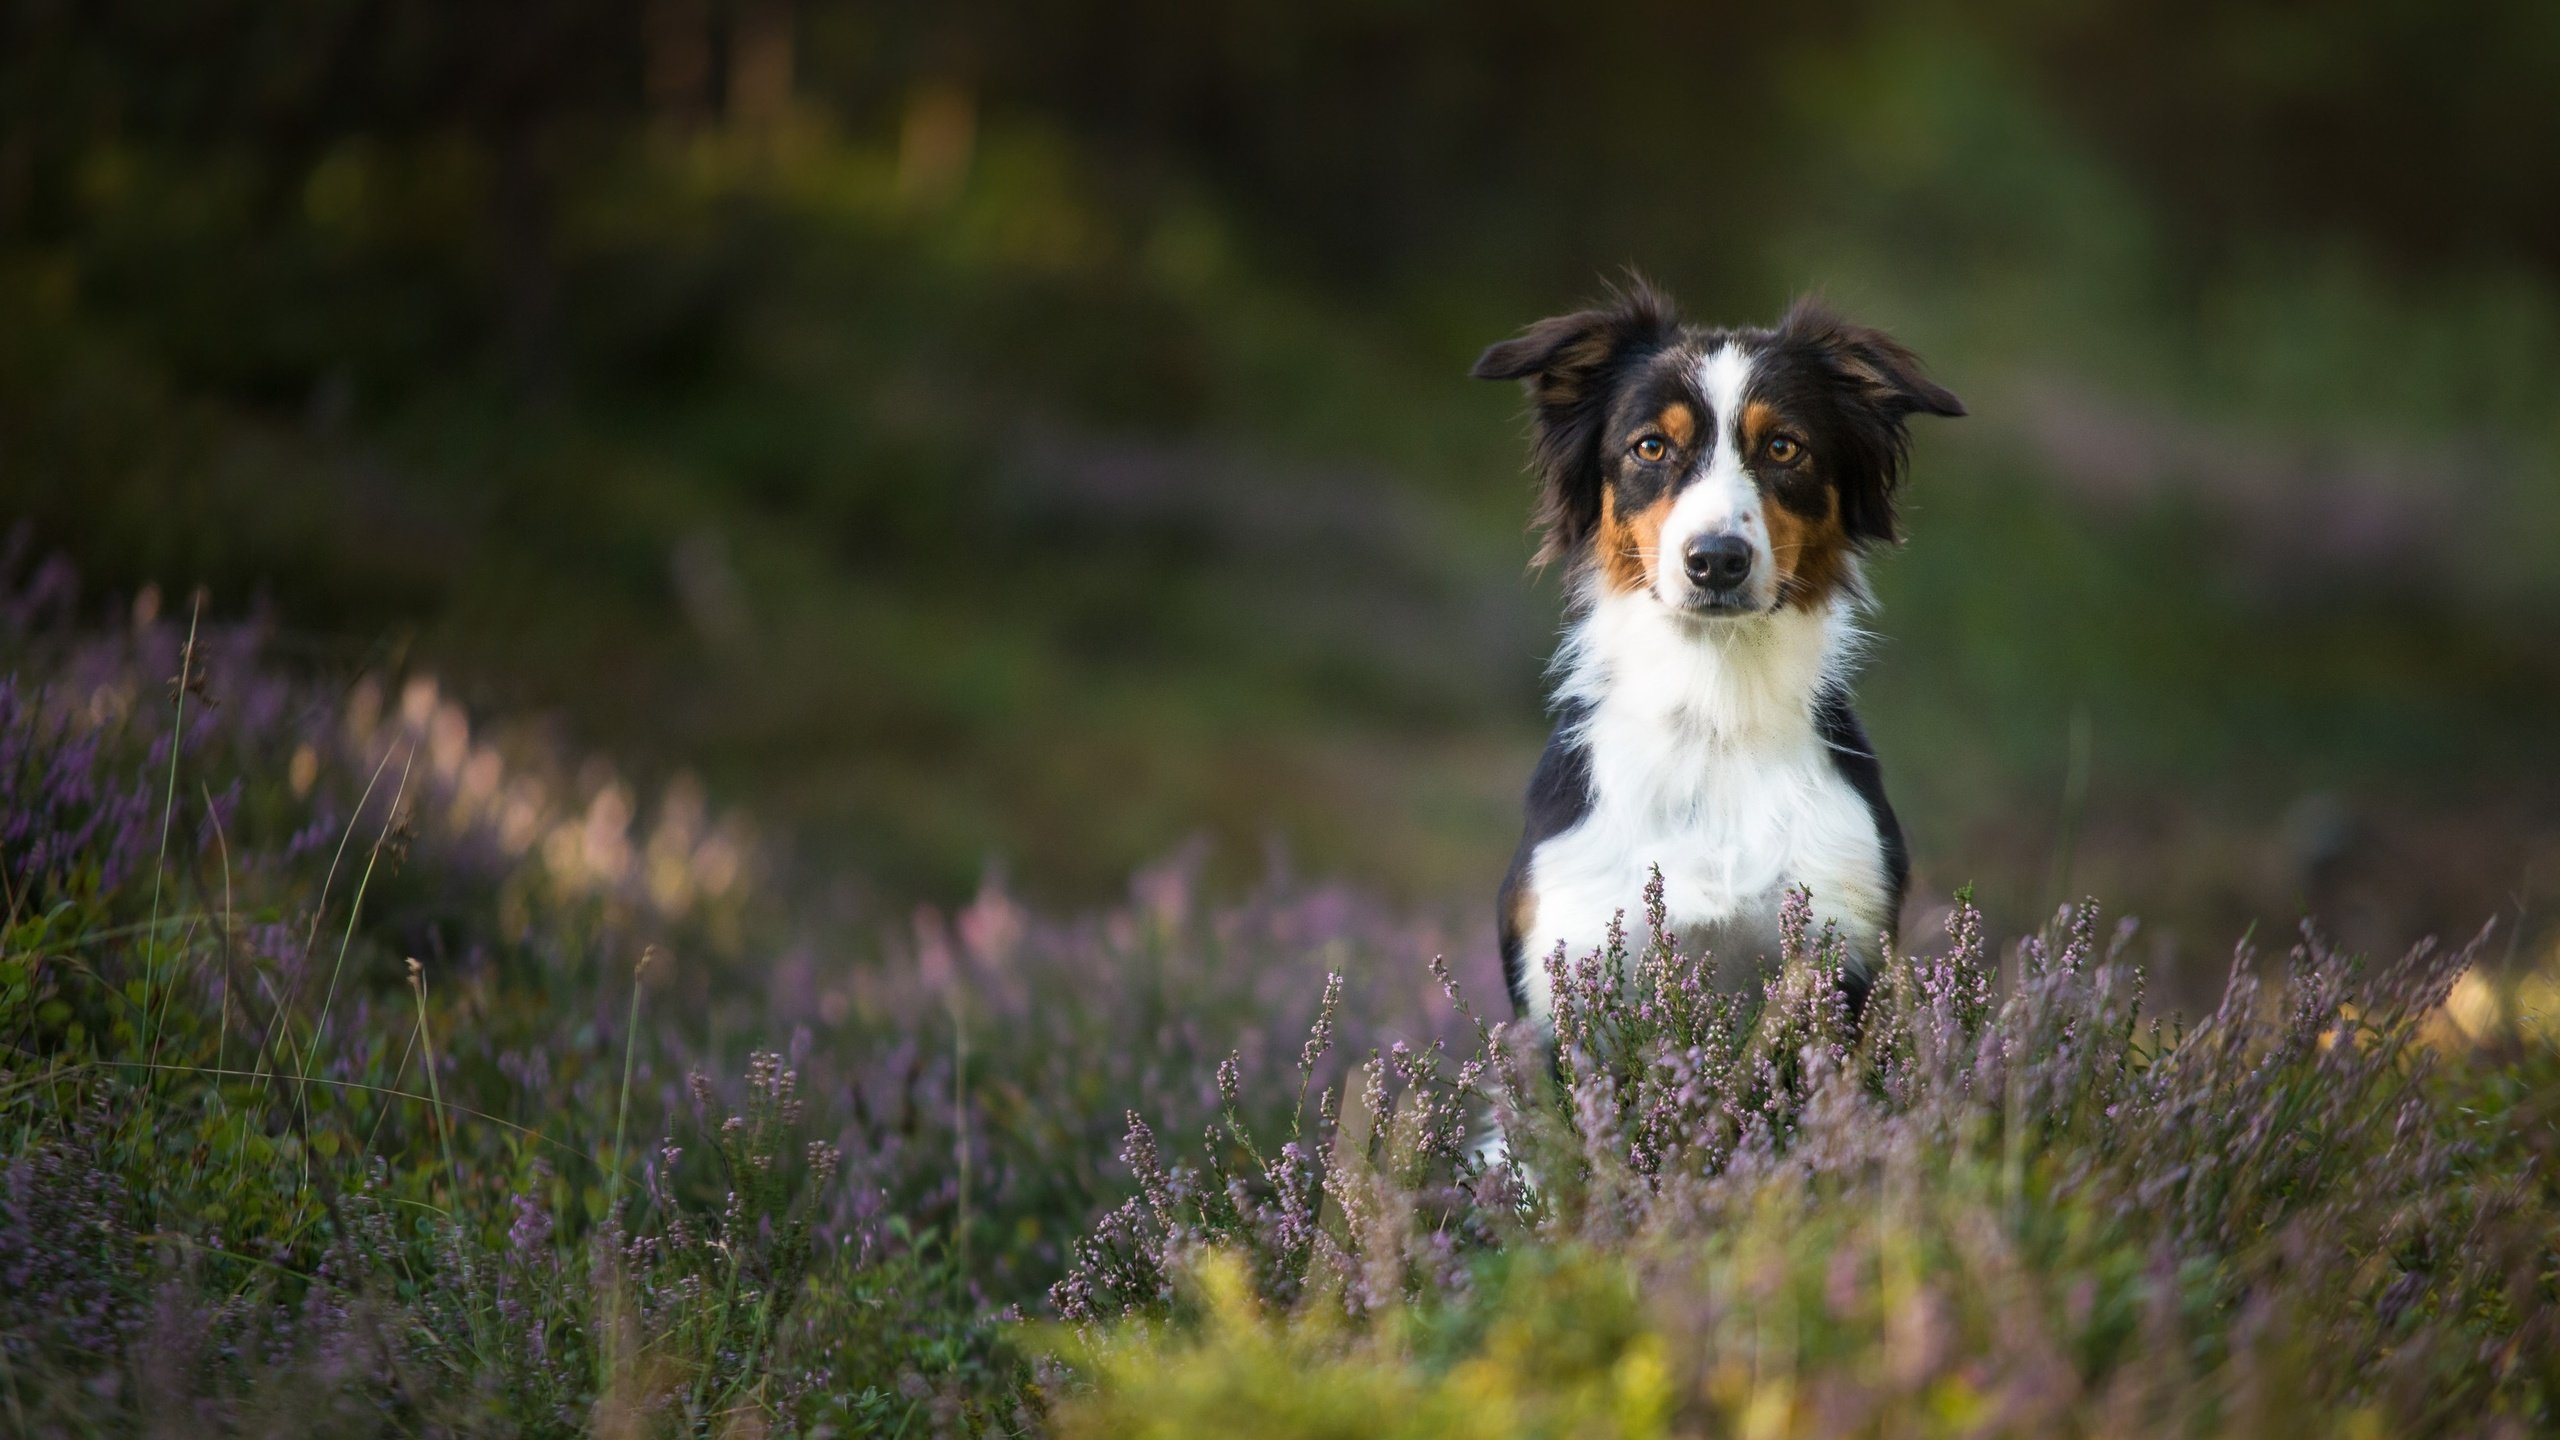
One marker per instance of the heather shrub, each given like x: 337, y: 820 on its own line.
x: 265, y: 1167
x: 1984, y: 1208
x: 368, y: 1069
x: 354, y: 1096
x: 992, y: 1061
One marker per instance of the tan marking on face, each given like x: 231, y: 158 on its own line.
x: 1629, y: 544
x: 1759, y: 418
x: 1678, y: 424
x: 1812, y: 553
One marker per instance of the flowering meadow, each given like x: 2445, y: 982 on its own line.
x: 371, y: 1067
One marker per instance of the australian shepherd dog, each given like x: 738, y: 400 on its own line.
x: 1713, y: 495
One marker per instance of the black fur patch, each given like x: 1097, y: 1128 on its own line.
x: 1573, y: 367
x: 1836, y: 721
x: 1853, y: 388
x: 1559, y: 797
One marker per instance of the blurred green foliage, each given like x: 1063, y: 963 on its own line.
x: 1034, y: 433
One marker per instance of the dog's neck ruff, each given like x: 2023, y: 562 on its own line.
x: 1702, y: 751
x: 1656, y: 690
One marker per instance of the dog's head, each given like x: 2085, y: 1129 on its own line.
x: 1723, y: 472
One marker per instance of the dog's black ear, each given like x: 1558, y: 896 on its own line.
x: 1878, y: 384
x: 1568, y: 365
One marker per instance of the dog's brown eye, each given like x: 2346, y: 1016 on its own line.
x: 1784, y: 450
x: 1651, y: 449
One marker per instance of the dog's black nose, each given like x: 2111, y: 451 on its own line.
x: 1718, y: 562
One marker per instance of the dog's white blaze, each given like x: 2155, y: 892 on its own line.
x: 1705, y: 761
x: 1722, y: 498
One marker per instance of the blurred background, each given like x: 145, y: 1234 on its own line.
x: 1028, y: 436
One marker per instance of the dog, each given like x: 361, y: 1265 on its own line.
x: 1713, y: 495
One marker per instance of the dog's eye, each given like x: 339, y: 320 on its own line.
x: 1785, y: 450
x: 1651, y: 449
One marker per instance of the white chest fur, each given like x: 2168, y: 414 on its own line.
x: 1705, y: 760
